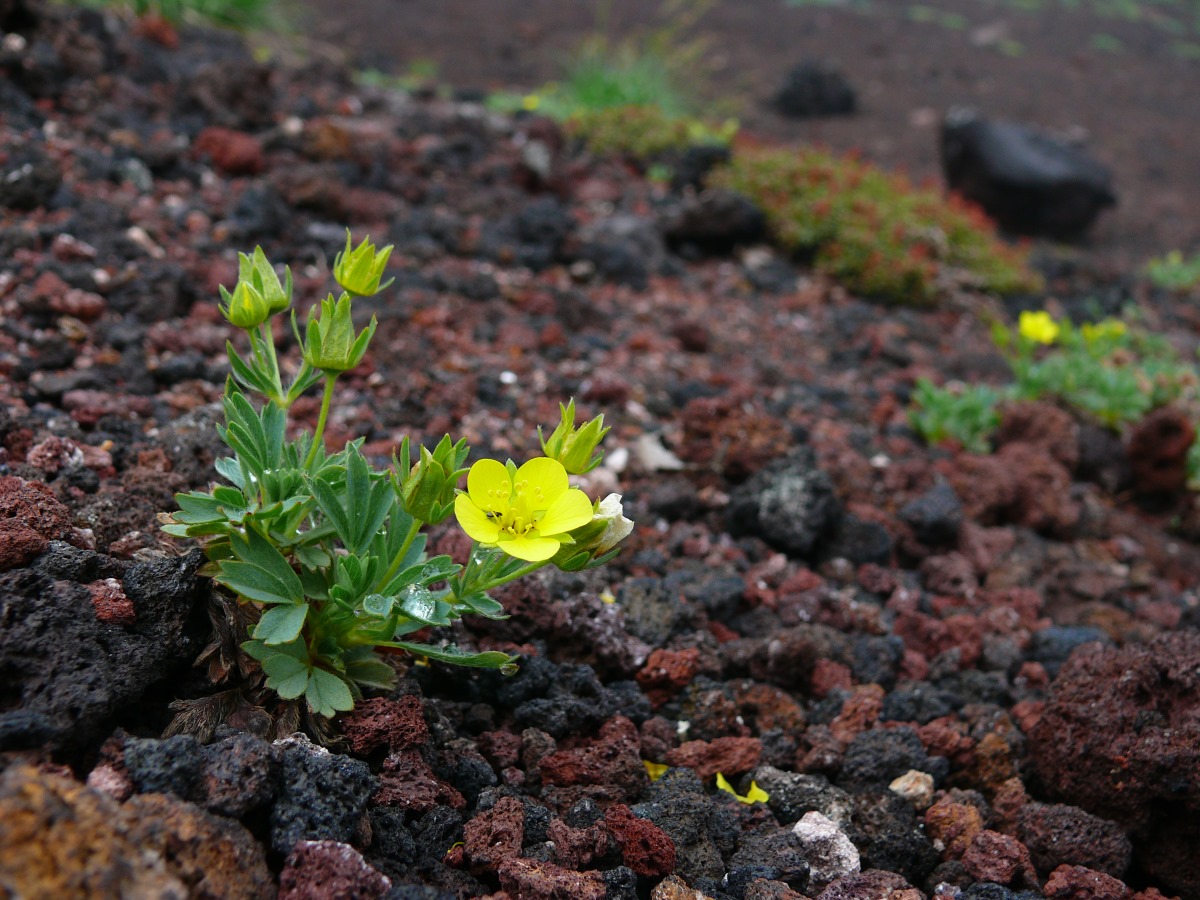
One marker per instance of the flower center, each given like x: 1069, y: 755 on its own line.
x: 517, y: 511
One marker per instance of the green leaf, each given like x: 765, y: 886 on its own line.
x: 286, y: 666
x: 424, y: 606
x: 260, y: 572
x: 491, y: 659
x: 366, y: 669
x: 281, y: 624
x: 327, y: 694
x: 484, y: 605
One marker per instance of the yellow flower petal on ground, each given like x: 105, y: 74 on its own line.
x: 474, y: 521
x: 570, y: 510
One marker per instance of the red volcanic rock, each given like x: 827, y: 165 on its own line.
x: 19, y: 544
x: 614, y: 758
x: 578, y: 848
x: 318, y: 870
x: 33, y: 505
x: 233, y: 152
x: 408, y: 782
x: 532, y: 880
x: 860, y: 711
x: 666, y: 672
x: 1080, y: 883
x: 1000, y: 858
x: 829, y: 675
x: 496, y: 835
x: 380, y: 722
x: 728, y: 755
x: 645, y: 848
x: 1058, y: 835
x: 110, y: 602
x: 873, y: 884
x: 1021, y: 484
x: 1158, y: 449
x: 1041, y: 425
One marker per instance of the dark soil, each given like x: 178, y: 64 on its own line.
x: 956, y: 676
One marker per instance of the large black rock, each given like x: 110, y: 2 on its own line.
x: 813, y: 90
x: 1029, y: 182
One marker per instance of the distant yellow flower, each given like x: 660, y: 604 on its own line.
x: 1038, y: 326
x: 654, y: 770
x: 1108, y: 329
x: 530, y: 102
x: 754, y: 795
x: 526, y: 512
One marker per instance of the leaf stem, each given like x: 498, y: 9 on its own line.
x: 413, y: 530
x: 268, y: 338
x: 330, y: 380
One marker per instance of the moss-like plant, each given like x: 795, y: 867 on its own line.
x: 875, y: 231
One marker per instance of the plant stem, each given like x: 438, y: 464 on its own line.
x: 413, y: 530
x: 330, y: 380
x: 520, y: 573
x: 268, y: 338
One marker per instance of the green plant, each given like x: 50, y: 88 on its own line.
x: 325, y: 553
x: 646, y: 132
x: 963, y: 413
x: 1174, y: 271
x: 236, y: 14
x: 1107, y: 371
x: 874, y: 231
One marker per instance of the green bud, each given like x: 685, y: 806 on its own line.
x: 427, y: 490
x: 596, y: 542
x: 574, y: 448
x: 245, y: 308
x: 330, y: 344
x: 358, y: 270
x: 258, y: 272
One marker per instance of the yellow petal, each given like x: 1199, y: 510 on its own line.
x: 756, y: 794
x: 547, y: 474
x: 488, y: 475
x: 654, y: 770
x: 530, y: 548
x: 570, y: 510
x: 474, y: 521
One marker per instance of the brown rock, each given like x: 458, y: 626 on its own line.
x: 406, y: 780
x: 1158, y: 449
x: 380, y: 722
x: 728, y: 755
x: 954, y: 825
x: 319, y: 870
x: 233, y: 152
x: 528, y: 879
x: 645, y: 848
x: 675, y: 888
x: 873, y: 884
x: 578, y: 848
x: 83, y: 305
x: 215, y: 857
x: 1080, y: 883
x: 495, y: 836
x: 769, y: 889
x: 19, y: 544
x: 1000, y: 858
x: 859, y: 713
x: 33, y: 505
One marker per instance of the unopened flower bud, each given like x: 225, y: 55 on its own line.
x: 358, y: 270
x: 574, y: 448
x: 258, y: 272
x: 245, y: 308
x: 596, y: 542
x: 330, y: 344
x: 428, y: 489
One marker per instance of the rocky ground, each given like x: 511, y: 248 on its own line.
x: 953, y: 675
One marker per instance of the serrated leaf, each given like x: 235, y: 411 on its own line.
x: 491, y: 659
x: 281, y: 624
x: 260, y: 572
x: 286, y: 666
x: 483, y: 605
x: 327, y: 694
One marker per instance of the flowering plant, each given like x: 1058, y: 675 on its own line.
x: 324, y: 553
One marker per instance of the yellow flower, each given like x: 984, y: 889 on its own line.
x: 1038, y: 326
x: 526, y: 512
x: 655, y: 770
x: 754, y: 795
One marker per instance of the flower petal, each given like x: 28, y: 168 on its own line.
x: 488, y: 475
x: 474, y: 521
x: 530, y: 548
x: 569, y: 511
x: 547, y: 474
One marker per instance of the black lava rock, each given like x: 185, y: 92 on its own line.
x: 1029, y: 182
x: 170, y: 766
x: 814, y: 89
x: 790, y: 504
x: 323, y: 796
x: 880, y: 756
x: 935, y: 517
x: 1051, y: 646
x: 714, y: 222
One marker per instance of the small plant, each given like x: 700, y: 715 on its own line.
x: 236, y: 14
x: 1174, y: 271
x: 1105, y: 370
x: 646, y: 132
x: 965, y: 414
x: 873, y: 231
x: 325, y: 553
